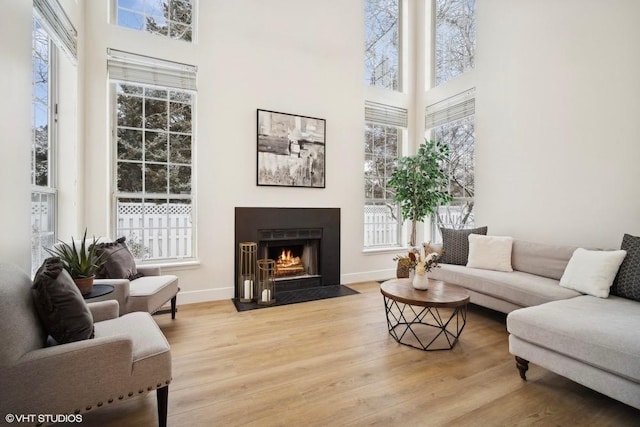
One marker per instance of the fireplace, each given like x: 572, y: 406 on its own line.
x: 304, y: 242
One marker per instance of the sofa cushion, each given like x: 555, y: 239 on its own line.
x: 59, y: 303
x: 593, y: 330
x: 455, y: 244
x: 592, y: 272
x: 540, y: 259
x: 627, y: 282
x: 120, y: 263
x: 490, y: 252
x: 522, y: 289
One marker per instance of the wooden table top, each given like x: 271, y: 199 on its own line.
x: 439, y: 293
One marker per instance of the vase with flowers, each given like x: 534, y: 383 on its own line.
x: 420, y: 263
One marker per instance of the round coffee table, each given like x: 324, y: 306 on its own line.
x: 426, y: 320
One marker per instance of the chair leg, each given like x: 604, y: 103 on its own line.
x: 523, y: 366
x: 173, y: 306
x: 162, y: 396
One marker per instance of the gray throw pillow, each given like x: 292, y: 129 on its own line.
x: 627, y: 282
x: 120, y: 263
x: 59, y: 303
x: 455, y: 244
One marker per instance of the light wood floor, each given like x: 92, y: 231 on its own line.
x: 332, y: 362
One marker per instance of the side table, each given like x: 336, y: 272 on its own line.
x: 99, y: 290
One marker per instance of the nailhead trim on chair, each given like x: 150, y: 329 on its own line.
x: 121, y: 397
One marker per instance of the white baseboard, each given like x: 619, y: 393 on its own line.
x: 205, y: 295
x: 367, y: 275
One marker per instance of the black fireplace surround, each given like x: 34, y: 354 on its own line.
x: 252, y: 223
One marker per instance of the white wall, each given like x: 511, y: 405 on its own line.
x: 558, y: 135
x: 301, y: 57
x: 556, y: 120
x: 15, y: 128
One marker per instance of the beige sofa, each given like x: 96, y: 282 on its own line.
x: 593, y: 341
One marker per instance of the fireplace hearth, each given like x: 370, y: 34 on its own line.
x: 304, y: 242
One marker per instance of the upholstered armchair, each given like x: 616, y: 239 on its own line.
x: 124, y: 357
x: 147, y: 293
x: 136, y: 288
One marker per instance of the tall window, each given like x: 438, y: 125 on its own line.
x: 382, y: 40
x: 455, y: 38
x: 452, y: 122
x: 43, y: 192
x: 153, y: 156
x: 384, y: 129
x: 169, y: 18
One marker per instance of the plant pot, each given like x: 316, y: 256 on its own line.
x: 402, y: 270
x: 85, y: 284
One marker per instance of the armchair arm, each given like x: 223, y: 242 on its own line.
x: 104, y: 310
x: 120, y: 292
x: 70, y: 376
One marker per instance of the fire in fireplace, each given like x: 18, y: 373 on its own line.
x: 289, y: 264
x: 295, y: 256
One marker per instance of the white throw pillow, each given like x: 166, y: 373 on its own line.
x: 592, y: 272
x: 490, y: 252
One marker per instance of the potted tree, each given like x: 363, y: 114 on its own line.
x: 80, y: 261
x: 420, y: 184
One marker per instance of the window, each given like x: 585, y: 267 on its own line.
x: 43, y: 193
x: 384, y: 129
x: 153, y: 155
x: 169, y: 18
x: 382, y: 39
x: 455, y: 38
x: 452, y: 122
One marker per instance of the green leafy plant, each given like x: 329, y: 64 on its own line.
x: 420, y: 184
x: 81, y: 260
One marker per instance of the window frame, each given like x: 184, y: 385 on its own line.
x: 51, y: 189
x: 400, y: 47
x: 116, y: 194
x: 194, y: 8
x: 401, y: 142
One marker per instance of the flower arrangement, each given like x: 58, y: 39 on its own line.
x: 421, y: 261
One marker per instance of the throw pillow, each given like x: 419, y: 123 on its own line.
x: 120, y: 263
x: 490, y: 252
x: 455, y: 244
x: 59, y: 303
x: 592, y: 272
x: 627, y: 282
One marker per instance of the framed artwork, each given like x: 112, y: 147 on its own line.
x: 291, y: 150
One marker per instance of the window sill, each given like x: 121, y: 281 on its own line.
x: 172, y: 265
x: 386, y: 250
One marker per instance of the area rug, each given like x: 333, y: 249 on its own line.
x: 299, y: 295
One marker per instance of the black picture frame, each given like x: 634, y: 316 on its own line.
x: 291, y: 150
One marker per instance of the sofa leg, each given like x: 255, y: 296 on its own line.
x: 523, y: 366
x: 173, y: 306
x: 162, y: 396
